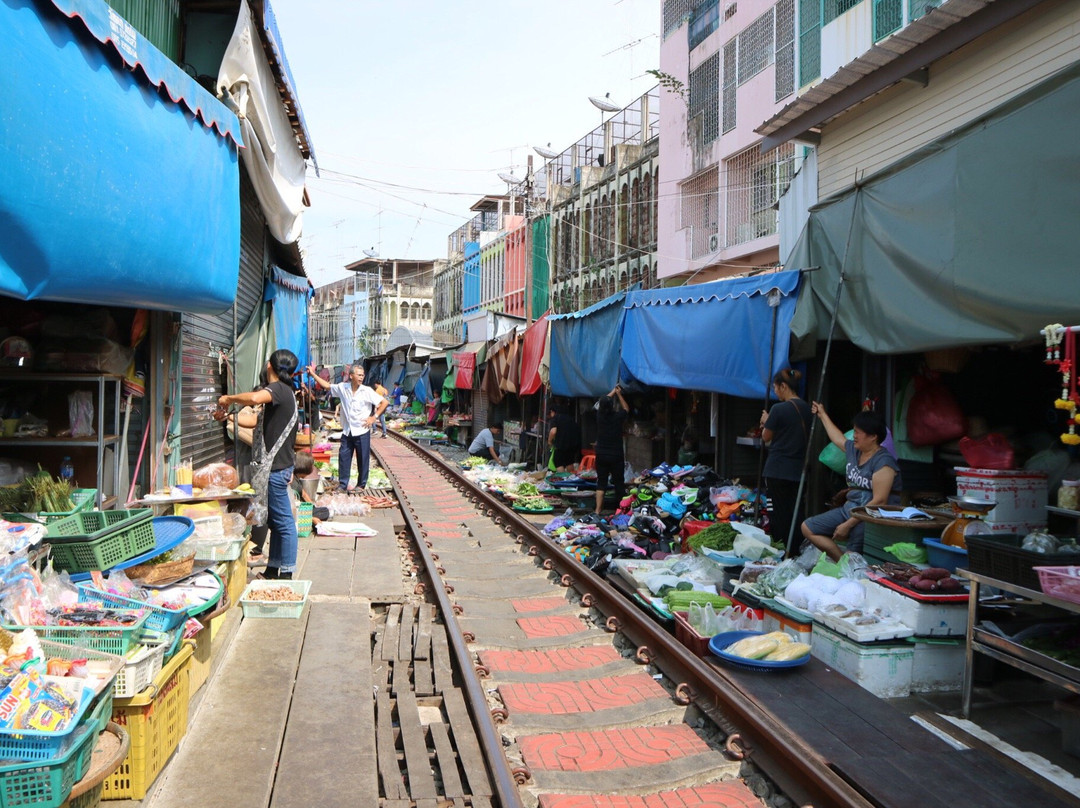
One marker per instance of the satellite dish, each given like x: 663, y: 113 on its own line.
x: 547, y: 153
x: 604, y: 104
x: 372, y: 253
x: 508, y: 178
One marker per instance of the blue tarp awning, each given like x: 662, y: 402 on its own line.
x: 290, y: 294
x: 584, y: 349
x: 710, y: 336
x: 119, y: 180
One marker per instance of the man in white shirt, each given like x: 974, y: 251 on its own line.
x: 360, y: 408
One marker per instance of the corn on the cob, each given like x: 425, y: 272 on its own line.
x: 788, y: 651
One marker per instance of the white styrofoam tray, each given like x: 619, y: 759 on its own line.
x: 926, y: 619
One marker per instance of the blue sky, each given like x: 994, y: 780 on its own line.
x: 441, y: 95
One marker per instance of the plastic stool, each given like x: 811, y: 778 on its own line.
x: 588, y: 463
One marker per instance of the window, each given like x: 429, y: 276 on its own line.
x: 920, y: 8
x: 809, y: 41
x: 785, y: 48
x: 704, y: 19
x: 675, y: 14
x: 704, y: 82
x: 888, y: 17
x: 699, y: 211
x: 756, y: 46
x: 754, y: 184
x: 834, y: 8
x: 731, y: 83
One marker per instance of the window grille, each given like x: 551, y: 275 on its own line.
x: 703, y: 97
x: 919, y: 8
x: 754, y: 184
x: 834, y: 8
x: 756, y: 47
x: 699, y: 211
x: 675, y: 13
x: 704, y: 19
x: 809, y: 41
x: 731, y: 82
x: 888, y: 17
x: 785, y: 48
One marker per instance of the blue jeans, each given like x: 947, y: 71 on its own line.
x: 282, y: 523
x: 382, y: 423
x: 361, y: 444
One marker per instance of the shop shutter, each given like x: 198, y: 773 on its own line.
x: 202, y: 439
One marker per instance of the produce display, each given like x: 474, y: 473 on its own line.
x: 718, y: 536
x: 932, y: 579
x: 38, y: 492
x: 777, y: 646
x: 679, y: 600
x: 526, y: 495
x: 278, y: 594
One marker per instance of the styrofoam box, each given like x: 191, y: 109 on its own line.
x: 937, y: 665
x: 1014, y: 528
x: 1021, y: 496
x: 882, y: 669
x: 927, y: 619
x: 774, y: 621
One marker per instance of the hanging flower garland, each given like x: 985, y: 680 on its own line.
x: 1064, y: 359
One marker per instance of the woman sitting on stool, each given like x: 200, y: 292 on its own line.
x: 873, y: 478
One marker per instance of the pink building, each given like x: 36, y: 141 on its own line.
x: 729, y: 66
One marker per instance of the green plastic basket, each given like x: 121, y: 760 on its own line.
x: 110, y: 639
x: 128, y: 538
x: 82, y: 499
x: 304, y: 513
x: 47, y: 783
x: 92, y: 525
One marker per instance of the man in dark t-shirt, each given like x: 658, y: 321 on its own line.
x: 609, y: 445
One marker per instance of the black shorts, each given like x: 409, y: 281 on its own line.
x: 566, y: 457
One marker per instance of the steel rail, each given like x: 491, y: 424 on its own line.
x: 796, y: 767
x: 502, y: 779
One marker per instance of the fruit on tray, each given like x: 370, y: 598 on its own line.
x: 759, y: 646
x: 935, y: 579
x: 788, y: 651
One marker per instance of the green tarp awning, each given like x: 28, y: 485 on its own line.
x: 969, y: 240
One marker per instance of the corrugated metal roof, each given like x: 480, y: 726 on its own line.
x: 880, y: 55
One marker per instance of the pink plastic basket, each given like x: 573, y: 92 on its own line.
x: 1061, y: 582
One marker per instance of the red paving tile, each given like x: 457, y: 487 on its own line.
x: 442, y: 525
x: 445, y: 534
x: 562, y: 698
x: 554, y: 660
x: 731, y: 794
x: 555, y: 626
x: 538, y: 604
x: 610, y: 749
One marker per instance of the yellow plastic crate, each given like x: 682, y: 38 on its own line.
x: 238, y: 578
x: 199, y: 667
x: 155, y: 723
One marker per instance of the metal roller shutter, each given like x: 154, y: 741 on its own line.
x: 202, y: 439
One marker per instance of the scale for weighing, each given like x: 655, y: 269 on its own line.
x: 968, y: 522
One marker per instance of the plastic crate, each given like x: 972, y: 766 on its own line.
x: 108, y: 664
x: 945, y: 555
x: 1001, y: 557
x: 91, y: 798
x: 155, y: 723
x: 159, y: 619
x: 199, y: 667
x: 110, y: 639
x: 304, y: 513
x: 253, y: 607
x: 99, y: 713
x: 84, y: 526
x: 81, y: 499
x: 142, y: 667
x: 1060, y: 582
x: 47, y: 783
x: 214, y: 550
x: 39, y: 745
x: 123, y: 541
x: 688, y: 636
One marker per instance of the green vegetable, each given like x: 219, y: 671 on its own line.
x: 719, y: 536
x: 679, y: 600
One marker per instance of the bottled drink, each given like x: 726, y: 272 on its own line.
x: 67, y: 470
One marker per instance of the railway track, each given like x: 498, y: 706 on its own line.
x: 578, y: 697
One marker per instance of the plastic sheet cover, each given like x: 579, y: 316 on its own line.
x: 290, y: 294
x: 531, y: 354
x: 584, y: 349
x: 89, y: 208
x: 728, y: 348
x: 969, y: 240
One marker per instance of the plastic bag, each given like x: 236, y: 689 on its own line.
x: 1039, y: 541
x: 991, y: 451
x: 832, y: 456
x: 750, y: 548
x: 934, y: 415
x: 727, y: 495
x: 908, y: 552
x: 220, y: 475
x: 81, y: 413
x: 776, y: 581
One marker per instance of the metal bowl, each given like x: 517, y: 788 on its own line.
x: 972, y: 505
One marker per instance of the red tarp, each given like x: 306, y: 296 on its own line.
x: 466, y: 366
x: 531, y: 354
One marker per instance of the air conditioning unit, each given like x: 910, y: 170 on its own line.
x: 714, y: 242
